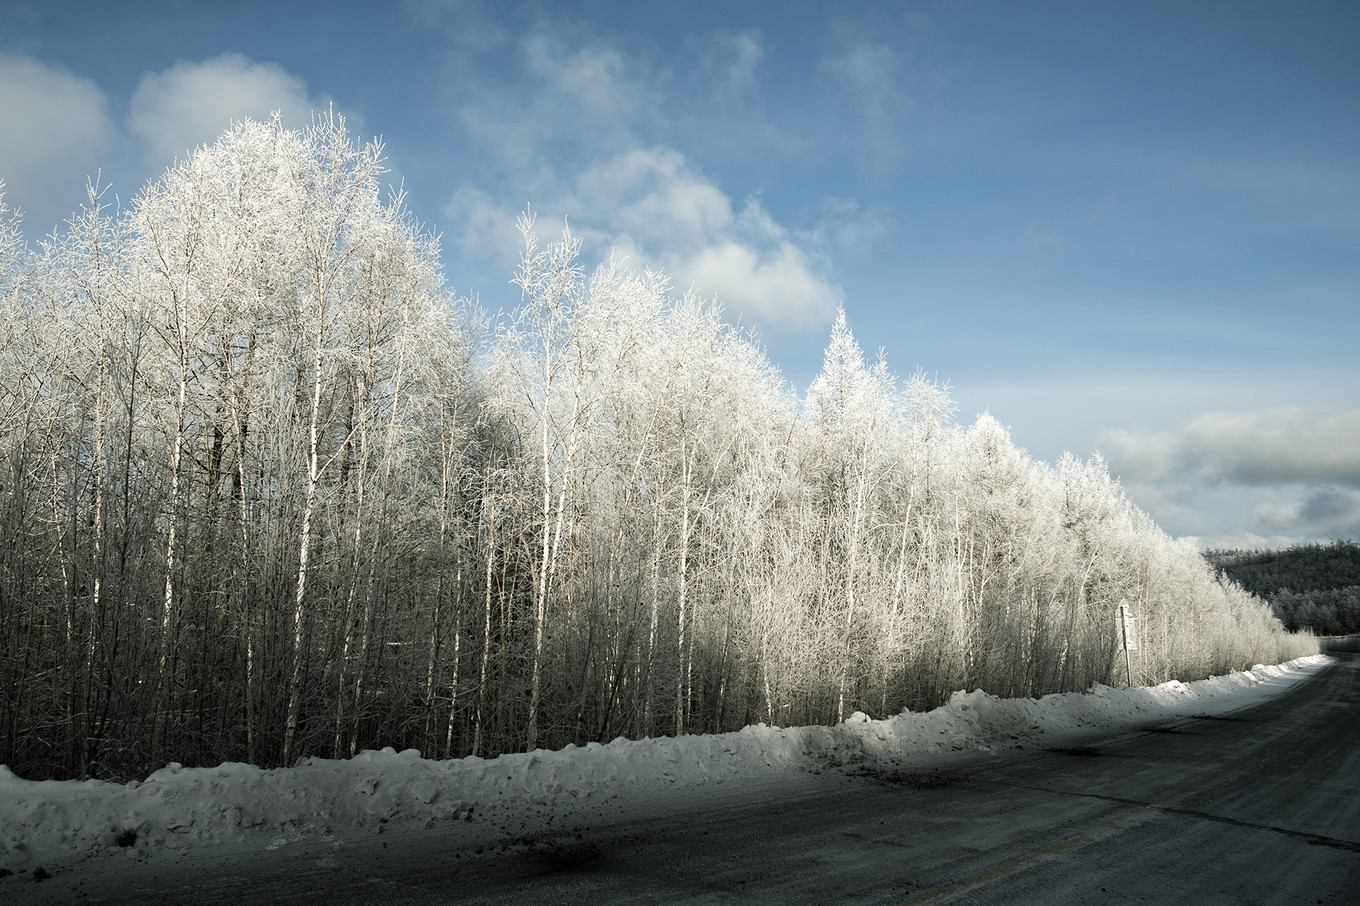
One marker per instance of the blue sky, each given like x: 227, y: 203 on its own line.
x: 1124, y: 227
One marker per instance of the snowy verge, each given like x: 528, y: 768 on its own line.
x: 47, y: 824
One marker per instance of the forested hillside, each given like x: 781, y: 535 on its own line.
x: 1313, y: 586
x: 270, y: 491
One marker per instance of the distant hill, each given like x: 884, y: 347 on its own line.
x: 1313, y: 586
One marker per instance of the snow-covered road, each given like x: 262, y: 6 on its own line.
x: 976, y: 801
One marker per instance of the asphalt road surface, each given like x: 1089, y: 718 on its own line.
x: 1259, y: 806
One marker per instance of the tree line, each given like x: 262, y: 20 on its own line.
x: 270, y: 490
x: 1312, y: 587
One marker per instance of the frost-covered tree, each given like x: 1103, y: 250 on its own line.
x: 268, y: 491
x: 853, y: 412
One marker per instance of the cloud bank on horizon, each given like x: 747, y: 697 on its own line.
x: 1296, y: 467
x: 1153, y: 261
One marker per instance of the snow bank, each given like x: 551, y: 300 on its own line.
x: 49, y: 823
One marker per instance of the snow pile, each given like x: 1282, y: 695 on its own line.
x: 48, y: 823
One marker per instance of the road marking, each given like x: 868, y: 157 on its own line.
x: 1116, y: 825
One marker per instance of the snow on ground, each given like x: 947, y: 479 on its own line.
x: 48, y: 824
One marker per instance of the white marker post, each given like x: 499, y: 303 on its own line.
x: 1127, y: 629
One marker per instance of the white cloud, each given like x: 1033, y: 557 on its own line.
x: 1140, y: 455
x: 866, y: 68
x: 579, y: 95
x: 874, y: 71
x: 1325, y: 507
x: 483, y: 229
x: 732, y: 61
x: 571, y: 144
x: 776, y: 287
x: 1320, y: 442
x: 56, y: 130
x: 589, y: 82
x: 1241, y: 541
x: 851, y: 229
x: 871, y: 77
x: 653, y: 206
x: 191, y: 104
x: 1283, y: 472
x: 654, y: 196
x: 54, y: 126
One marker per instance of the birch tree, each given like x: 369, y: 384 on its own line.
x: 268, y: 492
x: 541, y: 346
x: 853, y: 410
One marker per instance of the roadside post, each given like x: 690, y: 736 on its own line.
x: 1127, y: 630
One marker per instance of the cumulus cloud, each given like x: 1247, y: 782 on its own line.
x: 663, y: 213
x: 770, y: 286
x: 1140, y: 455
x: 56, y: 126
x: 58, y: 131
x: 1320, y: 442
x: 590, y: 80
x: 573, y: 145
x: 653, y: 195
x: 190, y: 104
x: 483, y: 228
x: 581, y: 97
x: 1287, y: 471
x: 1327, y: 506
